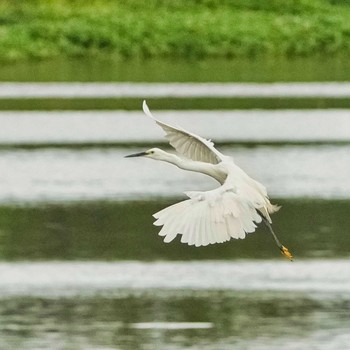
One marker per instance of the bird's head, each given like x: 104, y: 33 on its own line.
x: 154, y: 153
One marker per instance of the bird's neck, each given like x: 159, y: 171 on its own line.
x: 196, y: 166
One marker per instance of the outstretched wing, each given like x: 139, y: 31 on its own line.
x: 208, y: 217
x: 189, y: 145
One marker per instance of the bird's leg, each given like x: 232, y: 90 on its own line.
x: 282, y: 248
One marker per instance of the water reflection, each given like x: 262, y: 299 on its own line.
x: 117, y: 230
x: 240, y: 320
x: 173, y: 90
x: 49, y: 175
x: 174, y: 103
x: 109, y: 68
x: 253, y: 127
x: 88, y: 304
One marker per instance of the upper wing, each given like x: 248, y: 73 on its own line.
x: 190, y: 145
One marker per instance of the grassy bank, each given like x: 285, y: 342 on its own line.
x: 173, y: 28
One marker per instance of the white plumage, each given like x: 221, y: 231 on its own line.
x: 187, y: 144
x: 229, y: 211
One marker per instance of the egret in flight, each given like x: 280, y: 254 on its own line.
x: 229, y: 211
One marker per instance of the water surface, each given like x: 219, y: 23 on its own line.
x: 317, y: 278
x: 51, y: 175
x: 82, y: 266
x: 98, y: 90
x: 239, y: 320
x: 126, y: 127
x: 252, y: 298
x: 336, y: 68
x: 123, y: 231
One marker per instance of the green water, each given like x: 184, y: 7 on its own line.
x: 314, y: 230
x: 173, y: 104
x: 124, y: 231
x: 109, y: 69
x: 239, y: 321
x: 221, y: 70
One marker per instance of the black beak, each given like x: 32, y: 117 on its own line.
x: 136, y: 155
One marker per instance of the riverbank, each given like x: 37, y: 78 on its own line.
x: 184, y: 29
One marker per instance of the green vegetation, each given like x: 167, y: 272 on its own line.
x: 173, y: 28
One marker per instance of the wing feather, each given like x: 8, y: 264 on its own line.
x: 192, y: 232
x: 204, y: 230
x: 209, y: 217
x: 211, y: 223
x: 188, y: 144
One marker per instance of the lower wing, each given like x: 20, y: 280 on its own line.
x: 208, y: 217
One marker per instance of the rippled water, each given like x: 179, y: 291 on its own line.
x: 82, y: 265
x: 164, y: 305
x: 52, y: 174
x: 122, y: 127
x: 65, y: 279
x: 184, y: 90
x: 64, y: 174
x: 233, y: 320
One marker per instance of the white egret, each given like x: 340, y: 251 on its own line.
x: 229, y: 211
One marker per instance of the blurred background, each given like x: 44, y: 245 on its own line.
x: 82, y: 266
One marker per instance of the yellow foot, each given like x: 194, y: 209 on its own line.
x: 286, y: 253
